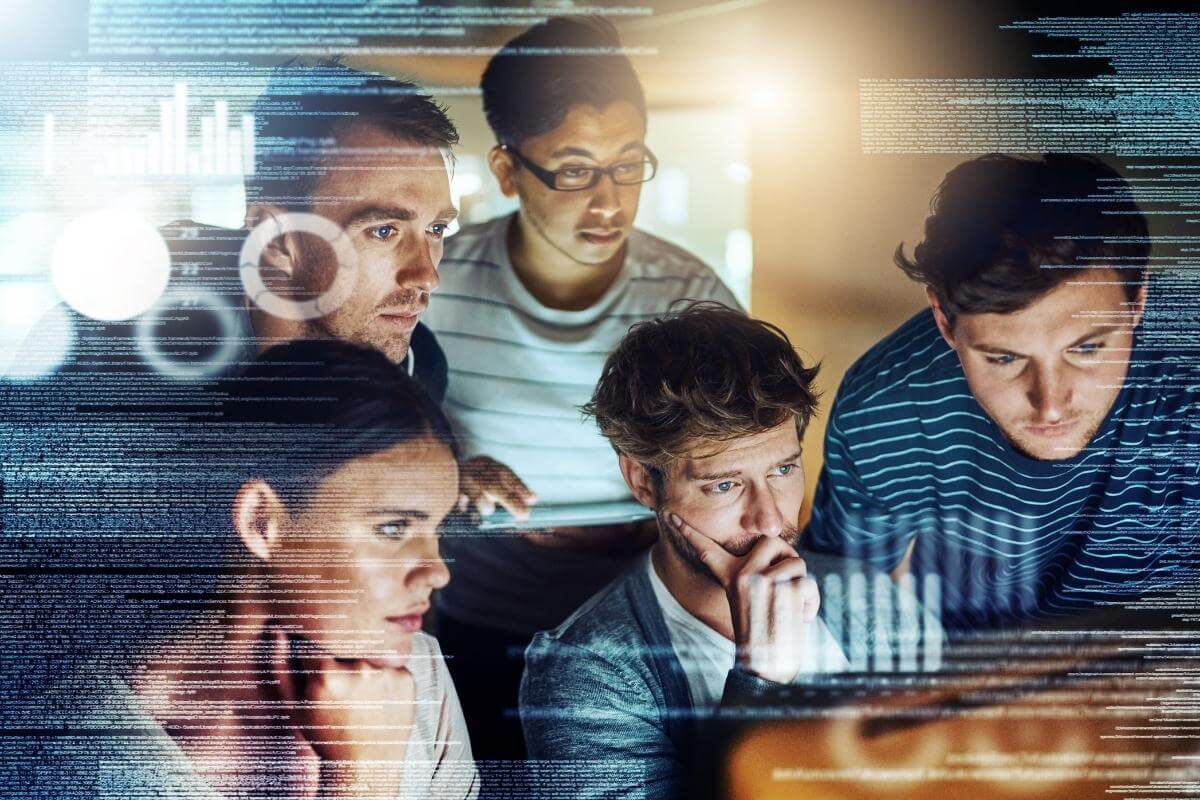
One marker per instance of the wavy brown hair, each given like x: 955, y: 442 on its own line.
x: 704, y: 372
x: 1005, y: 231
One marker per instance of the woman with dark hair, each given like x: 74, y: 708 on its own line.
x: 299, y: 669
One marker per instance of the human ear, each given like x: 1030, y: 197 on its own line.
x: 939, y: 316
x: 1139, y: 305
x: 639, y: 480
x: 500, y: 162
x: 258, y: 517
x: 282, y: 252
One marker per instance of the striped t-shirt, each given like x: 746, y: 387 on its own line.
x: 518, y: 374
x: 999, y: 536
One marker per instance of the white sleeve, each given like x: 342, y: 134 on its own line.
x: 455, y: 776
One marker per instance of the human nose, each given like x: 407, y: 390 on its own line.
x: 762, y: 514
x: 418, y: 267
x: 430, y: 570
x: 1049, y: 393
x: 605, y: 199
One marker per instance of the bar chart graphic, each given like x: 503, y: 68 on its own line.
x: 215, y: 145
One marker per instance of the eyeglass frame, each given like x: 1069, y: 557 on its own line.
x: 546, y: 176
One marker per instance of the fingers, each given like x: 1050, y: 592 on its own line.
x: 513, y: 495
x: 811, y: 597
x: 767, y: 551
x: 488, y: 483
x: 356, y: 712
x: 364, y: 688
x: 794, y: 602
x: 768, y: 562
x: 781, y: 597
x: 722, y: 563
x: 281, y: 665
x: 359, y: 679
x: 791, y: 580
x: 786, y: 569
x: 773, y: 611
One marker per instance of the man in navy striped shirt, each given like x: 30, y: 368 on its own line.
x: 1028, y: 445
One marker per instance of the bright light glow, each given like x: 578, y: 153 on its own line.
x: 770, y: 95
x: 672, y: 198
x: 739, y: 253
x: 739, y: 263
x: 465, y: 183
x: 737, y: 172
x: 26, y: 241
x: 110, y: 265
x: 32, y: 308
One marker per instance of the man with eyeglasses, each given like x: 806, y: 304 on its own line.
x: 529, y: 306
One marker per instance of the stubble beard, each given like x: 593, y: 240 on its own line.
x: 691, y: 557
x: 395, y: 348
x: 340, y: 324
x: 1077, y: 446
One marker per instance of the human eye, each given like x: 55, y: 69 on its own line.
x: 382, y: 232
x: 1002, y: 359
x: 783, y: 470
x: 720, y: 487
x: 629, y: 169
x: 575, y: 173
x: 1088, y: 348
x: 392, y: 529
x: 438, y: 230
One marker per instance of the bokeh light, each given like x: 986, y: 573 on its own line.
x: 110, y: 265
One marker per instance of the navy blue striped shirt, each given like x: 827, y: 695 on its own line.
x: 910, y: 454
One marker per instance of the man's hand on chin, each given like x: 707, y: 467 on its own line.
x: 772, y: 601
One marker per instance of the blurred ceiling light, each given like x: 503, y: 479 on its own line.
x: 767, y: 95
x: 110, y: 265
x: 737, y: 172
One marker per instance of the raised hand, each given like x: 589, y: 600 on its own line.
x: 771, y: 600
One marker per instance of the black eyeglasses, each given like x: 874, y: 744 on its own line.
x: 576, y: 179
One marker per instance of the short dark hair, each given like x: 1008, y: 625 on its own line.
x: 303, y: 106
x: 535, y: 79
x: 292, y: 417
x: 702, y: 372
x: 997, y: 221
x: 303, y: 409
